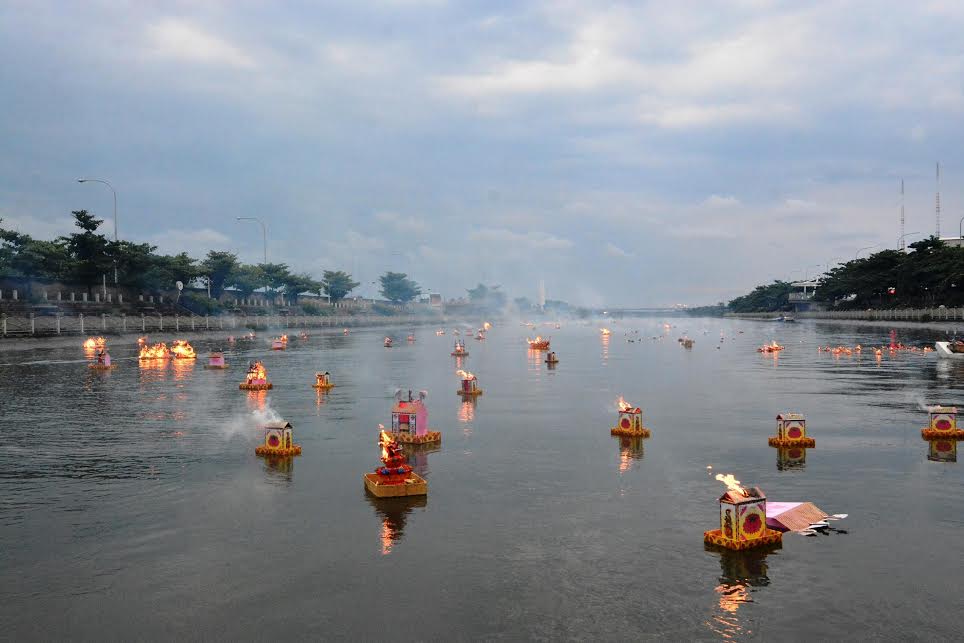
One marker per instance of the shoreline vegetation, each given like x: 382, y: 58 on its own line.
x: 929, y: 275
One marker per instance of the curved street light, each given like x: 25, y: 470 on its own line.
x: 902, y: 238
x: 114, y: 192
x: 864, y: 248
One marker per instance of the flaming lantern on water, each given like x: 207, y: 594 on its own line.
x: 388, y: 342
x: 256, y: 379
x: 181, y: 349
x: 279, y: 344
x: 743, y: 518
x: 278, y: 440
x: 395, y: 477
x: 157, y: 351
x: 216, y: 361
x: 93, y: 343
x: 459, y: 349
x: 942, y: 425
x: 791, y: 432
x: 539, y: 343
x: 410, y: 420
x: 629, y: 423
x: 551, y: 359
x: 470, y: 384
x: 323, y: 381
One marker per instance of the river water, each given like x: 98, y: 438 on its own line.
x: 132, y: 505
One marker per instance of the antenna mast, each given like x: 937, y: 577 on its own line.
x: 937, y: 200
x: 902, y: 214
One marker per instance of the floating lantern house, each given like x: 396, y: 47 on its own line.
x: 470, y: 384
x: 277, y: 344
x: 410, y: 420
x: 323, y: 381
x: 772, y: 347
x: 791, y: 432
x: 411, y: 339
x: 103, y: 361
x: 459, y: 349
x: 394, y: 478
x: 942, y: 425
x: 181, y: 349
x: 256, y: 379
x: 551, y: 358
x: 278, y: 440
x: 216, y: 361
x: 630, y: 421
x: 539, y: 343
x: 388, y: 342
x: 743, y: 518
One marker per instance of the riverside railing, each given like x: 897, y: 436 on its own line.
x: 33, y: 325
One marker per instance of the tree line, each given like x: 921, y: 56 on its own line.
x: 87, y: 259
x: 930, y: 274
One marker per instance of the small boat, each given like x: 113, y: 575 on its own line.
x: 945, y: 351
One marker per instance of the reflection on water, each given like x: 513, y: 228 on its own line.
x: 280, y: 469
x: 393, y: 513
x: 630, y: 452
x: 467, y: 414
x: 742, y: 572
x: 417, y: 456
x: 790, y: 459
x: 321, y: 398
x: 182, y: 368
x: 605, y: 347
x: 942, y: 450
x: 257, y: 400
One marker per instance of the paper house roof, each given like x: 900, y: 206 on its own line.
x: 735, y: 498
x: 791, y: 416
x: 793, y: 516
x: 282, y: 424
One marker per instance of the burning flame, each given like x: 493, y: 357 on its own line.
x: 732, y: 484
x: 257, y: 372
x: 538, y: 342
x: 181, y: 349
x: 142, y: 341
x: 384, y: 441
x: 623, y: 405
x: 487, y: 326
x: 157, y: 351
x: 605, y: 331
x: 95, y: 342
x: 465, y: 375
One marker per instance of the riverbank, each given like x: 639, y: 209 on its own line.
x: 190, y: 332
x: 954, y: 327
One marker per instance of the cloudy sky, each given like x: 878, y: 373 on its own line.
x: 628, y: 154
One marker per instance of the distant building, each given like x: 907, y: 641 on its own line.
x: 954, y: 242
x: 435, y: 300
x: 801, y: 297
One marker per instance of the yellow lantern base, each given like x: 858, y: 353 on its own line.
x: 716, y: 538
x: 415, y: 485
x: 429, y: 438
x: 100, y: 367
x: 323, y: 387
x: 630, y: 433
x: 244, y: 386
x: 465, y: 354
x: 263, y: 450
x: 934, y: 434
x: 477, y: 391
x: 786, y: 443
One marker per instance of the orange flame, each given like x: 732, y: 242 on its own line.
x: 605, y: 331
x: 487, y: 326
x: 157, y: 351
x: 95, y: 342
x: 181, y: 349
x: 732, y: 484
x: 257, y: 372
x: 142, y: 341
x: 465, y: 375
x: 385, y: 440
x: 623, y: 405
x: 538, y: 342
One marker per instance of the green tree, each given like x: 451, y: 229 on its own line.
x: 246, y: 279
x: 275, y: 275
x: 89, y: 251
x: 398, y: 288
x: 295, y: 284
x: 337, y: 284
x: 137, y: 265
x: 769, y: 298
x: 23, y: 256
x: 218, y: 268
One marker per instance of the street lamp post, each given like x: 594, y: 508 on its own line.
x: 864, y: 248
x: 960, y: 228
x: 902, y: 238
x: 114, y: 192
